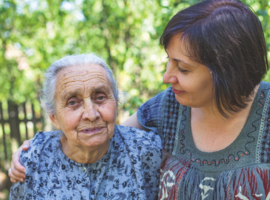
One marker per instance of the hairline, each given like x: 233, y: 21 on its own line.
x: 70, y: 61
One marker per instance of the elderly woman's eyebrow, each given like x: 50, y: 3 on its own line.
x: 103, y: 88
x: 69, y: 94
x: 96, y: 89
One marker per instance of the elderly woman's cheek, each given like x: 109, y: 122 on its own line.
x: 72, y: 118
x: 108, y: 113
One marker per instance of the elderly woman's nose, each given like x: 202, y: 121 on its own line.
x: 90, y: 112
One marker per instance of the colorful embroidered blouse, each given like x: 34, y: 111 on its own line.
x: 129, y: 170
x: 240, y: 171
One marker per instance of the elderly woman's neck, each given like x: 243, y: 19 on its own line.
x: 83, y: 155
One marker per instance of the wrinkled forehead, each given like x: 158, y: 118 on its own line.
x: 79, y: 74
x: 82, y: 70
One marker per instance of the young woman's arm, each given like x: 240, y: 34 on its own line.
x: 132, y: 121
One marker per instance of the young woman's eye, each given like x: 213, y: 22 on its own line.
x: 181, y: 69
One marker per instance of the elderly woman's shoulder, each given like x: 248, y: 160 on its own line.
x: 43, y: 142
x: 44, y: 136
x: 134, y: 135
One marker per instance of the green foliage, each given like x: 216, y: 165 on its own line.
x: 35, y: 33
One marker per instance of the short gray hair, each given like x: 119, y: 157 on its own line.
x: 49, y: 84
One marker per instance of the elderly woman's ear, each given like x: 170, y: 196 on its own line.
x: 54, y: 121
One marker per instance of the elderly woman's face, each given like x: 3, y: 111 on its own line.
x: 85, y: 106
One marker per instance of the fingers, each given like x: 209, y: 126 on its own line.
x: 26, y: 144
x: 17, y: 171
x: 15, y: 164
x: 13, y: 181
x: 13, y: 178
x: 15, y: 174
x: 10, y: 175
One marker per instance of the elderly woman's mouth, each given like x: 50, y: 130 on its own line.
x: 92, y: 130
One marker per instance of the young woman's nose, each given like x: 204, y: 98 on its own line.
x: 169, y: 76
x: 91, y: 112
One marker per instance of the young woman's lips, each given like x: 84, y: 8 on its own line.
x: 92, y: 130
x: 177, y: 91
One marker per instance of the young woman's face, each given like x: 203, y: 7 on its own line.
x: 191, y: 81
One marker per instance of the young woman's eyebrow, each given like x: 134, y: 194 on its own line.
x: 179, y: 60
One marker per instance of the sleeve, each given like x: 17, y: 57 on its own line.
x: 31, y: 160
x: 151, y: 160
x: 37, y: 147
x: 149, y: 114
x: 17, y: 191
x: 143, y: 151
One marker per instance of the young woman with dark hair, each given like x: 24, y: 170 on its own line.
x: 214, y: 119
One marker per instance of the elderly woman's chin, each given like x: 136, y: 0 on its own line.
x: 88, y: 140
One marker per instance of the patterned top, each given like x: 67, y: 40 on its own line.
x: 129, y: 170
x: 240, y: 171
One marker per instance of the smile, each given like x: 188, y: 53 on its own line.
x: 92, y: 130
x: 177, y: 91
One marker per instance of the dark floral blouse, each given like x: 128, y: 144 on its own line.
x: 129, y: 170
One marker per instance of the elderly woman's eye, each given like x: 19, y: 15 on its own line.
x: 72, y: 103
x: 100, y: 98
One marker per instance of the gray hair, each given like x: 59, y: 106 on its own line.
x: 49, y: 84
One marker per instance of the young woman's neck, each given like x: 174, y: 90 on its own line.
x: 212, y: 113
x: 213, y: 132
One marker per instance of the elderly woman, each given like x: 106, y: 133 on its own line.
x: 214, y: 119
x: 89, y: 157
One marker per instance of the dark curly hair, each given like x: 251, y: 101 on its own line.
x: 227, y: 37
